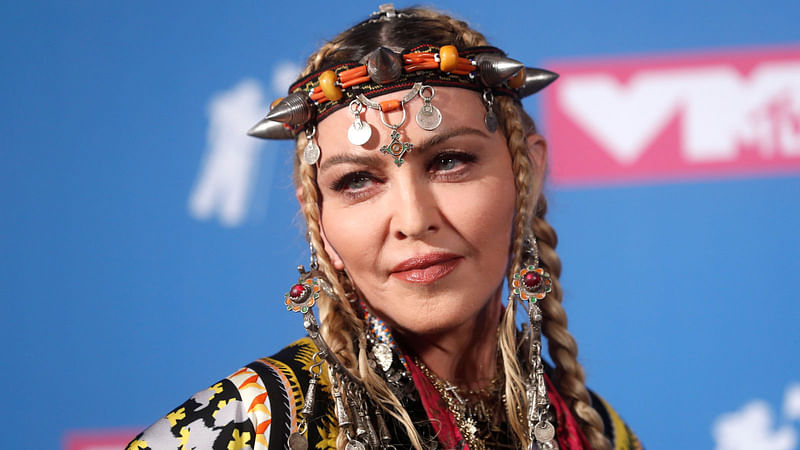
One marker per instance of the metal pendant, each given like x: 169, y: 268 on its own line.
x: 359, y: 132
x: 297, y: 442
x: 383, y: 353
x: 396, y: 148
x: 491, y: 121
x: 311, y: 152
x: 544, y: 431
x: 428, y: 117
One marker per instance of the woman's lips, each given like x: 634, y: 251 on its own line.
x: 426, y: 268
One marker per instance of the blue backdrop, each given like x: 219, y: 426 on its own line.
x: 129, y: 282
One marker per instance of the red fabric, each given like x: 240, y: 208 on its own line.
x: 440, y: 416
x: 568, y: 432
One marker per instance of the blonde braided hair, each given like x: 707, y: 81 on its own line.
x: 340, y: 324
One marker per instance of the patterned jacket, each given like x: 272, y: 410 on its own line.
x: 257, y: 406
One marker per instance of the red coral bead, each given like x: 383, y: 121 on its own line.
x: 531, y: 280
x: 297, y: 291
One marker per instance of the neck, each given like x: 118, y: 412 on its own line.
x: 466, y: 356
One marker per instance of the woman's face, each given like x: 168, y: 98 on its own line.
x: 427, y: 243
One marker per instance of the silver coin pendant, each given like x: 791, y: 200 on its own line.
x: 429, y: 117
x: 297, y: 442
x: 359, y: 133
x: 311, y: 153
x: 544, y: 431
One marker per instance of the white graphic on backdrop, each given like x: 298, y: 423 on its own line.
x: 753, y: 427
x: 226, y: 176
x: 719, y: 110
x: 228, y: 173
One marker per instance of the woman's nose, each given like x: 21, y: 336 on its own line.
x: 415, y: 211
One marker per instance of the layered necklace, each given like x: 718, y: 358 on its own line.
x: 478, y: 413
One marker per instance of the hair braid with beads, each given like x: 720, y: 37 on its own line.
x: 341, y: 327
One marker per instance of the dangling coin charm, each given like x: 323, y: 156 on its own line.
x: 297, y: 442
x: 544, y: 431
x: 490, y: 120
x: 311, y: 152
x: 429, y: 117
x: 359, y: 132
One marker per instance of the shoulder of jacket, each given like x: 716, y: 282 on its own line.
x: 616, y: 430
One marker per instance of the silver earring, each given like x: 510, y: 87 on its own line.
x: 530, y: 285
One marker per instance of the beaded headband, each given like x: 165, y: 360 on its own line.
x: 419, y: 69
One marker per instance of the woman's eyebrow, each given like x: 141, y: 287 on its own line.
x: 448, y: 134
x: 365, y: 160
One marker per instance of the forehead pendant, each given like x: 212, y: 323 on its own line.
x: 359, y: 132
x: 396, y: 148
x: 429, y: 117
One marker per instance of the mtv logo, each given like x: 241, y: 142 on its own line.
x: 674, y: 117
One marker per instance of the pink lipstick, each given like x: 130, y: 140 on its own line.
x: 426, y: 268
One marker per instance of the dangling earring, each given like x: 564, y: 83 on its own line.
x: 531, y: 285
x: 301, y: 298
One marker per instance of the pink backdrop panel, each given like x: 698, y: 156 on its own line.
x: 680, y: 116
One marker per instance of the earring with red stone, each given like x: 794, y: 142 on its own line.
x: 530, y: 285
x: 304, y: 294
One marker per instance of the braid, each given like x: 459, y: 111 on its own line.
x: 516, y: 398
x: 337, y: 322
x: 562, y: 346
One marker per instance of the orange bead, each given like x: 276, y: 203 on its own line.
x: 327, y: 82
x: 448, y: 58
x: 355, y: 81
x: 390, y: 105
x: 517, y: 80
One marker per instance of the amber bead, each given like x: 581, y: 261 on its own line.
x: 448, y: 58
x: 327, y: 82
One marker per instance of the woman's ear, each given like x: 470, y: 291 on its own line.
x: 336, y: 260
x: 537, y: 153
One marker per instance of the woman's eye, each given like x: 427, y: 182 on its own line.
x: 358, y: 182
x: 353, y: 182
x: 450, y: 161
x: 447, y: 163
